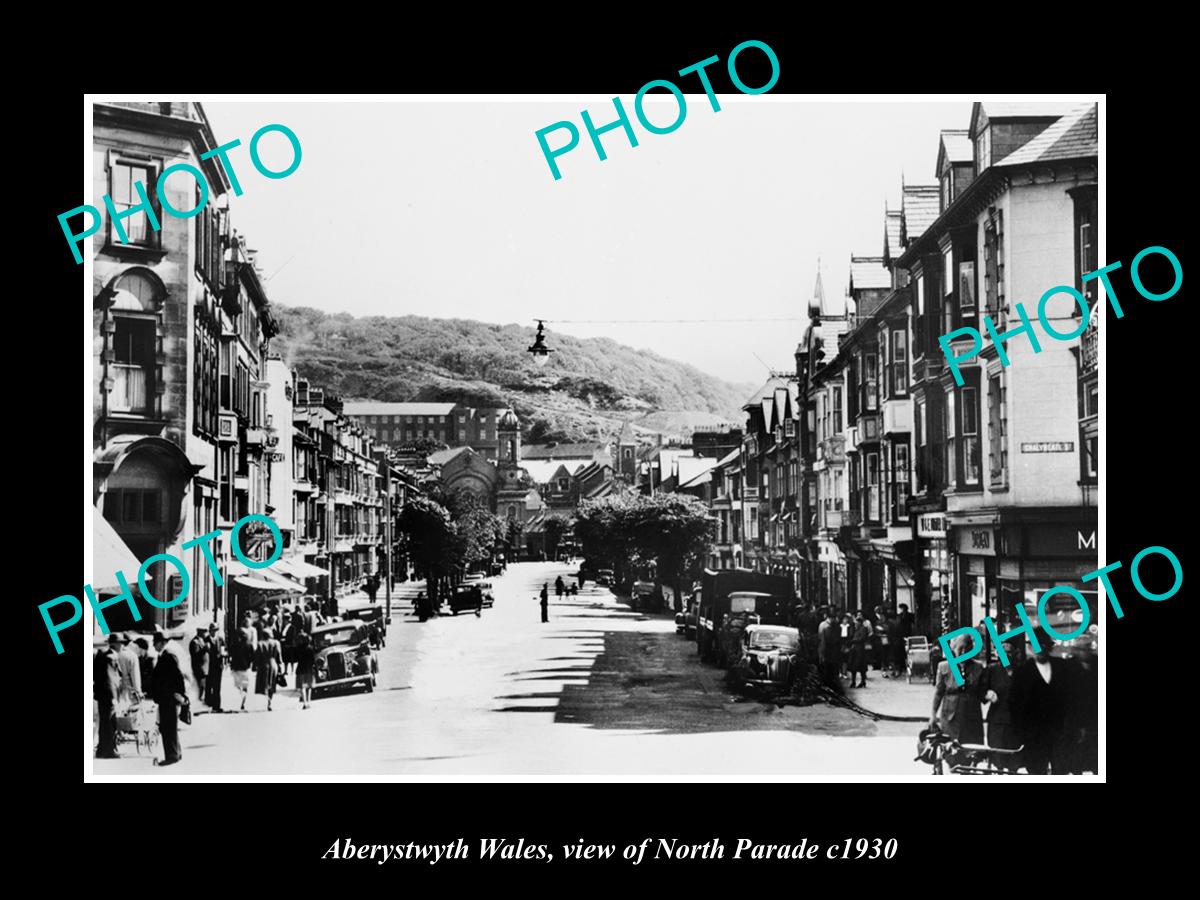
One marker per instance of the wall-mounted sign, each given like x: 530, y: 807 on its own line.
x: 931, y: 525
x: 976, y: 541
x: 1048, y: 447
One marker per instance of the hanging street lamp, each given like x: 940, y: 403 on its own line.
x: 541, y: 353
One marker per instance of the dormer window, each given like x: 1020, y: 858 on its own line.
x: 983, y: 150
x: 947, y: 189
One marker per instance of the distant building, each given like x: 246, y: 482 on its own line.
x: 401, y: 424
x: 716, y: 441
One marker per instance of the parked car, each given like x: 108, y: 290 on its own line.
x: 467, y: 597
x: 768, y: 657
x: 488, y: 598
x: 729, y: 637
x: 371, y: 615
x: 685, y: 621
x: 605, y: 577
x: 343, y: 656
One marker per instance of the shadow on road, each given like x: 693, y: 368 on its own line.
x: 652, y: 681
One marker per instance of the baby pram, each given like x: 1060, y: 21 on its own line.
x: 139, y: 724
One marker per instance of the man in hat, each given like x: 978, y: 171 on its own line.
x: 169, y: 692
x: 141, y: 647
x: 106, y: 687
x: 216, y: 666
x: 241, y: 657
x: 131, y: 675
x: 1043, y: 702
x: 198, y: 650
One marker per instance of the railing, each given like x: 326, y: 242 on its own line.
x: 129, y: 393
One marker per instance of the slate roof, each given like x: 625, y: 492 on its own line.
x: 1071, y: 137
x: 1028, y: 109
x: 441, y: 457
x: 868, y: 272
x: 958, y: 146
x: 920, y: 208
x: 891, y: 233
x: 375, y: 408
x: 560, y: 451
x: 767, y: 390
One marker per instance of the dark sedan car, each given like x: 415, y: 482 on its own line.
x: 371, y: 615
x: 343, y: 656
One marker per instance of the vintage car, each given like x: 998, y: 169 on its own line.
x: 372, y: 615
x: 768, y: 656
x: 605, y: 577
x: 343, y: 656
x: 729, y: 636
x: 685, y: 621
x: 466, y: 597
x: 488, y: 598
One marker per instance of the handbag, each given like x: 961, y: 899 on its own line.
x: 280, y: 680
x: 185, y: 712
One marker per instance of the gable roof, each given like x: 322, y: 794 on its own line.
x: 869, y: 272
x: 767, y: 390
x: 441, y: 457
x: 1071, y: 137
x: 954, y: 147
x: 891, y: 234
x: 919, y: 207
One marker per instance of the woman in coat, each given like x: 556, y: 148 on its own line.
x: 957, y: 709
x: 268, y: 659
x: 860, y: 650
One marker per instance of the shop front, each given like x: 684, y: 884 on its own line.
x: 932, y: 583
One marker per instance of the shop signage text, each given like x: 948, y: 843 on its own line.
x: 145, y: 206
x: 1027, y: 627
x: 1026, y: 327
x: 622, y: 121
x: 181, y: 578
x: 1048, y: 447
x: 931, y: 525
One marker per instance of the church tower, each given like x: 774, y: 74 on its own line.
x: 627, y: 460
x: 508, y: 434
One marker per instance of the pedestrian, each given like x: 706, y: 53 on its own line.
x: 579, y: 575
x: 268, y: 664
x: 106, y: 687
x: 145, y: 664
x: 545, y: 595
x: 241, y: 658
x: 997, y: 693
x: 1043, y: 700
x: 216, y: 668
x: 306, y: 660
x: 891, y: 640
x: 876, y: 624
x: 130, y: 668
x: 860, y: 650
x: 169, y: 693
x: 957, y: 708
x: 846, y: 630
x: 559, y: 587
x: 372, y: 588
x: 198, y: 650
x: 829, y: 650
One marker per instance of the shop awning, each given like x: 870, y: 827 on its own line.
x: 111, y: 555
x: 298, y: 568
x: 274, y: 581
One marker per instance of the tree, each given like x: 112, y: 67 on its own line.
x: 433, y: 544
x: 555, y: 528
x: 672, y: 531
x: 478, y: 529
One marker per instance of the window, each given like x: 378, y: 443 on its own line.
x: 970, y: 435
x: 837, y: 409
x: 1087, y: 260
x: 983, y: 150
x: 134, y: 344
x: 128, y: 506
x: 1092, y: 461
x: 462, y: 434
x: 900, y: 481
x: 951, y: 451
x: 1091, y: 399
x: 124, y: 176
x: 997, y: 427
x: 822, y: 417
x: 408, y: 434
x: 948, y: 271
x: 947, y: 189
x: 873, y: 486
x: 966, y: 286
x: 870, y: 386
x: 899, y: 362
x: 789, y: 428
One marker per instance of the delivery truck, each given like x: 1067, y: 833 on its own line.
x: 740, y: 592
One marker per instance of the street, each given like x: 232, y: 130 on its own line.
x: 599, y: 690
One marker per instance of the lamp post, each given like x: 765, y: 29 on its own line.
x: 541, y: 353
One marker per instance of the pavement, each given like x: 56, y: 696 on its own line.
x: 601, y: 689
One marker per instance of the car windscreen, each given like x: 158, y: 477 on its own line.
x: 324, y: 639
x: 774, y: 640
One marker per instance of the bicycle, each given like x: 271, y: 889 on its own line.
x: 943, y: 753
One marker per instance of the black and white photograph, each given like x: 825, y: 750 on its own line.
x: 578, y: 437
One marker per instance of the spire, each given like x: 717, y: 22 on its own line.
x: 817, y: 304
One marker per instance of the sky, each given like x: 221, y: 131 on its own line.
x: 449, y: 209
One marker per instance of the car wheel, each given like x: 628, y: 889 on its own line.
x: 370, y: 685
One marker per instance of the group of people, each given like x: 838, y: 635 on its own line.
x: 270, y: 642
x: 124, y: 673
x: 853, y: 644
x: 1044, y: 706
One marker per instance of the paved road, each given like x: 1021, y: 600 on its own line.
x: 599, y: 689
